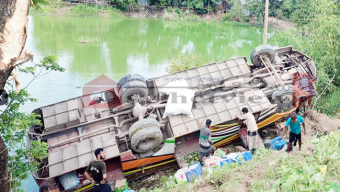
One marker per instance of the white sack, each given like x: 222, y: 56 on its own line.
x: 180, y: 103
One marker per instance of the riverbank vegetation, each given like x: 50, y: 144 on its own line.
x: 318, y: 36
x: 60, y: 8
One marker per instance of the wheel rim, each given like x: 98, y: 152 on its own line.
x: 146, y: 144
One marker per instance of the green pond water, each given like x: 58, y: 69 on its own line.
x: 121, y: 47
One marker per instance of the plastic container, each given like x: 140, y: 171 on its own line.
x: 226, y: 162
x: 180, y: 176
x: 211, y: 162
x: 247, y: 155
x: 194, y: 171
x: 233, y: 157
x: 277, y: 143
x: 69, y: 180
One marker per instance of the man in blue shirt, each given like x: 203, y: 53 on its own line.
x: 294, y: 122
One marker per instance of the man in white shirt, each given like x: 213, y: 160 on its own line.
x: 252, y: 128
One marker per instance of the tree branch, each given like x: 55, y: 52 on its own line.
x: 25, y: 57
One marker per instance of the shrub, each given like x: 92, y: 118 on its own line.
x: 94, y: 10
x: 184, y: 62
x: 227, y: 17
x: 179, y: 11
x: 170, y: 15
x: 126, y: 5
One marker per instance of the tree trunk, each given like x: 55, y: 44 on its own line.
x: 4, y: 184
x: 13, y: 23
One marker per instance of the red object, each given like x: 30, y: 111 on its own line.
x: 92, y: 103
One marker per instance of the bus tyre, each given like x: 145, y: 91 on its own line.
x: 131, y: 77
x: 141, y: 124
x: 262, y: 50
x: 146, y: 139
x: 133, y: 87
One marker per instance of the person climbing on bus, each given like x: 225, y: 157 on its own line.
x: 98, y: 170
x: 294, y: 122
x: 252, y: 128
x: 206, y: 145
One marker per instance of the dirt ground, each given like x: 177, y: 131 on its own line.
x: 280, y: 25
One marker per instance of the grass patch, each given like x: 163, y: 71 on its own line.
x: 47, y: 7
x: 81, y: 10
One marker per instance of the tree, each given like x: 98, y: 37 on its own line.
x: 300, y: 11
x: 237, y: 11
x: 256, y: 8
x: 13, y: 123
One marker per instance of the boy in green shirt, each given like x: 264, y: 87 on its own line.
x: 294, y: 122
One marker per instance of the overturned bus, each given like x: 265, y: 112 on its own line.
x: 140, y: 139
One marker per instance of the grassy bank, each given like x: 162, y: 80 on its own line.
x: 61, y: 8
x: 129, y: 8
x: 315, y: 168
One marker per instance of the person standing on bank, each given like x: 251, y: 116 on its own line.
x: 98, y: 170
x: 294, y: 122
x: 252, y: 128
x: 206, y: 147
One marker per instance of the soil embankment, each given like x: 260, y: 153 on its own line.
x: 280, y: 24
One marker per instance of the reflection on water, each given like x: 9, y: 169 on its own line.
x: 150, y: 43
x: 119, y: 47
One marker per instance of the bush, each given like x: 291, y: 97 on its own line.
x: 126, y: 5
x: 94, y: 10
x: 227, y: 17
x: 179, y: 11
x: 237, y: 11
x: 184, y: 62
x: 84, y: 10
